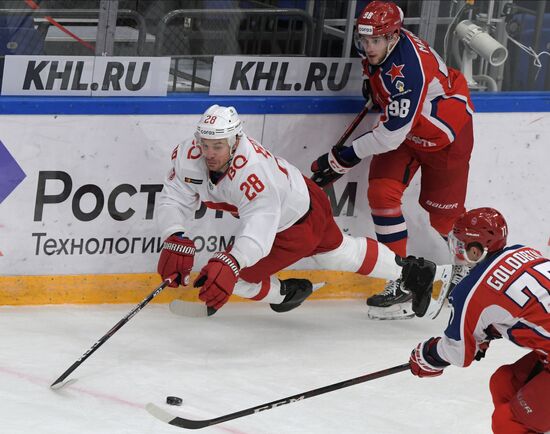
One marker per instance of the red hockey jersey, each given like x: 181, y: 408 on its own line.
x: 507, y: 295
x: 424, y: 103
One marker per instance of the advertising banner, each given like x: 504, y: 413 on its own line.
x: 83, y: 200
x: 85, y: 76
x: 286, y: 76
x: 78, y: 193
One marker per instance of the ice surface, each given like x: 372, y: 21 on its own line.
x: 243, y: 356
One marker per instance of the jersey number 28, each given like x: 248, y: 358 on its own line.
x: 252, y: 186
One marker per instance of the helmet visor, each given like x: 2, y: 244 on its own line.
x: 457, y: 248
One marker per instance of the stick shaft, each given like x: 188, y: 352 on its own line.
x: 353, y: 125
x: 198, y: 424
x: 114, y: 329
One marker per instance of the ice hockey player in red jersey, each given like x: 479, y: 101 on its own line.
x: 506, y: 294
x: 425, y: 123
x: 283, y: 217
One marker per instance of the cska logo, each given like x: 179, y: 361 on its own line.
x: 396, y: 71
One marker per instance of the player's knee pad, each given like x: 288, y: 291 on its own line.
x: 442, y: 223
x: 346, y: 257
x: 385, y: 193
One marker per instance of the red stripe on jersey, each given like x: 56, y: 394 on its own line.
x: 371, y: 257
x: 264, y: 290
x: 223, y: 206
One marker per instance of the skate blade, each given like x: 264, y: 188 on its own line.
x: 317, y: 286
x: 397, y: 311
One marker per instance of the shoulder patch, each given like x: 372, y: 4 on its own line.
x: 192, y: 181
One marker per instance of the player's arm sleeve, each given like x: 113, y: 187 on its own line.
x: 177, y: 202
x: 259, y: 213
x: 459, y: 345
x: 399, y: 114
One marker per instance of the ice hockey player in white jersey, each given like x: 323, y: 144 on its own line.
x: 283, y: 217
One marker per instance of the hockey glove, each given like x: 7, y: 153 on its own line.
x: 217, y: 279
x: 367, y: 94
x: 482, y: 348
x: 177, y: 256
x: 331, y: 166
x: 424, y: 360
x: 366, y: 90
x: 417, y: 276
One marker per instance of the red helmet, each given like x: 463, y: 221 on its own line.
x: 379, y: 18
x: 485, y: 226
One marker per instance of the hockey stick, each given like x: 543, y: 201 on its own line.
x: 326, y: 176
x: 354, y: 124
x: 58, y: 384
x: 181, y: 422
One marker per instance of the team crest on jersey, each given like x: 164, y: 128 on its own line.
x: 193, y: 181
x: 400, y: 86
x: 396, y: 71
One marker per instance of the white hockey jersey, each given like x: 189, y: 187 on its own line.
x: 267, y: 193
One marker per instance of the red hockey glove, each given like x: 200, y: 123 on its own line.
x: 424, y: 361
x: 217, y: 279
x: 177, y: 256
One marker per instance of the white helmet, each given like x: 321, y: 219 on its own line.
x: 220, y: 122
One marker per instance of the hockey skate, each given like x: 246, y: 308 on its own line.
x: 295, y: 292
x: 408, y: 296
x: 392, y: 303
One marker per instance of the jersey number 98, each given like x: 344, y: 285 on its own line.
x: 399, y: 108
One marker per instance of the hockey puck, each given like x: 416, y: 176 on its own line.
x: 173, y: 400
